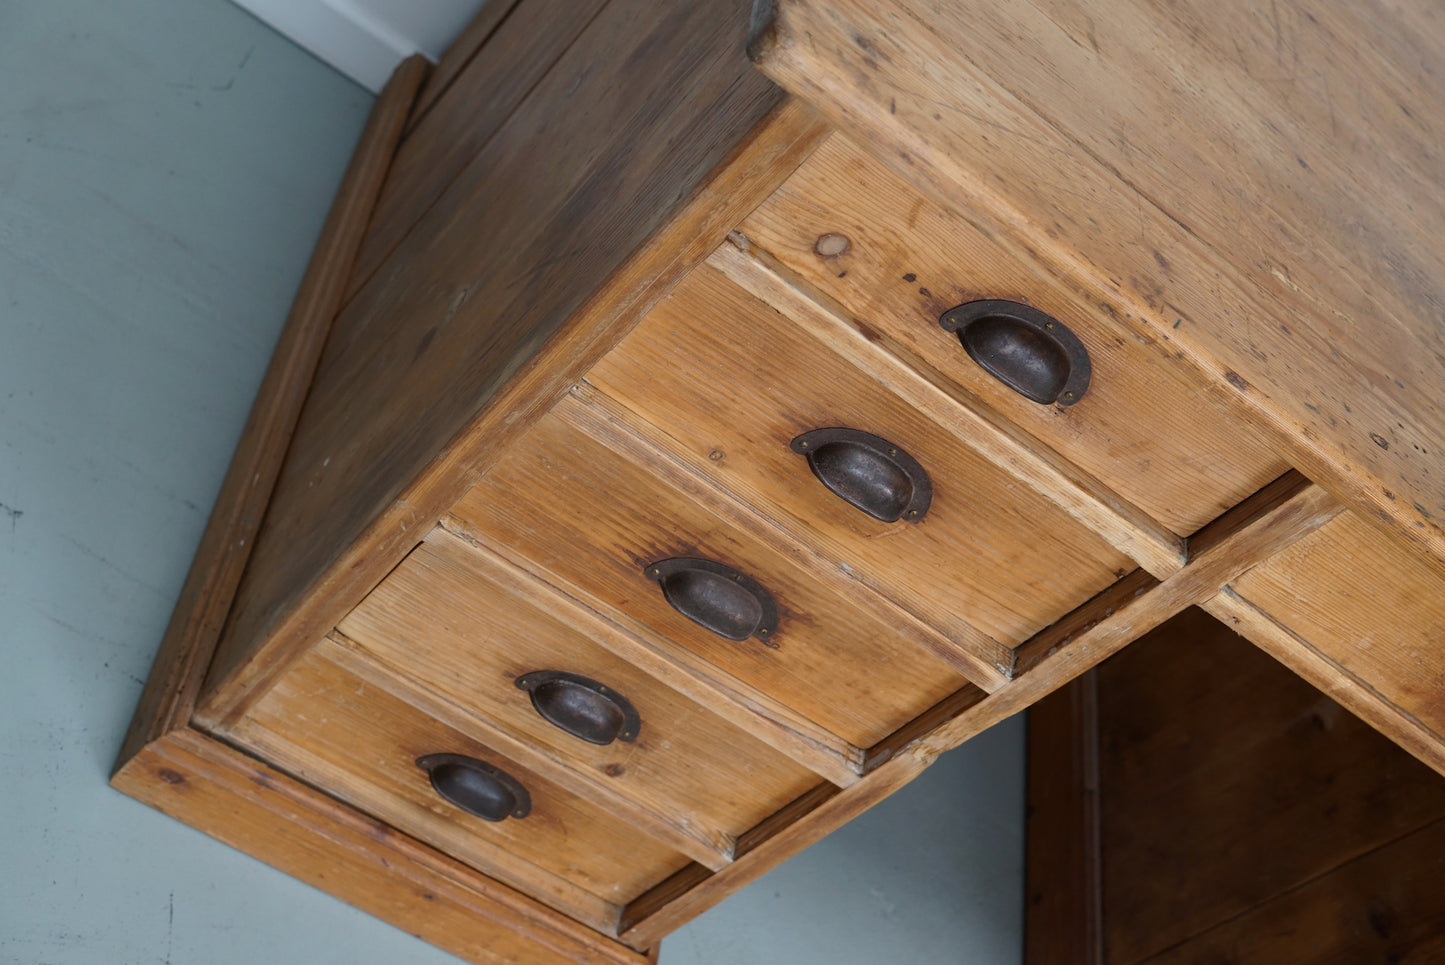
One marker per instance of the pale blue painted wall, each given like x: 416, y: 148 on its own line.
x: 165, y: 166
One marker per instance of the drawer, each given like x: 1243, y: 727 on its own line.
x: 730, y: 383
x: 328, y: 726
x: 597, y: 521
x: 455, y: 624
x: 851, y: 229
x: 1352, y: 594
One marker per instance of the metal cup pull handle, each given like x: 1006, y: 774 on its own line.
x: 477, y: 787
x: 581, y: 706
x: 868, y: 472
x: 1030, y: 352
x: 717, y: 597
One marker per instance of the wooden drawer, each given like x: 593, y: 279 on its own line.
x: 330, y: 727
x: 595, y: 516
x: 729, y: 383
x: 1351, y: 594
x: 457, y: 628
x: 849, y: 228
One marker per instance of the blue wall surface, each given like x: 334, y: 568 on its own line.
x: 165, y: 166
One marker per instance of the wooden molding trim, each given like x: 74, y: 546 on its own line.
x: 302, y: 832
x: 457, y: 57
x: 190, y: 641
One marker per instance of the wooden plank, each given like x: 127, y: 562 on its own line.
x: 1143, y: 428
x: 304, y: 608
x: 925, y: 723
x: 1048, y: 642
x: 446, y: 622
x: 1125, y: 527
x: 1375, y: 610
x: 1187, y: 169
x: 525, y: 41
x: 1354, y: 693
x: 333, y: 729
x: 838, y: 657
x: 801, y: 740
x: 958, y: 644
x: 1063, y: 920
x: 264, y: 813
x: 698, y: 843
x: 1251, y: 537
x: 726, y: 381
x: 459, y: 55
x: 185, y: 652
x: 1386, y: 906
x: 1228, y: 781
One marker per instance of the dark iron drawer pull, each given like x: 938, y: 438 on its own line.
x: 868, y: 472
x: 581, y: 706
x: 1031, y: 353
x: 476, y: 786
x: 717, y: 597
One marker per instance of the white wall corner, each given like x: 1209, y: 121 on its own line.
x: 366, y: 39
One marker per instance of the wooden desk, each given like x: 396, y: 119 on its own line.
x: 591, y: 281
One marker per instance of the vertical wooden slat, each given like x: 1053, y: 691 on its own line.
x: 1063, y: 921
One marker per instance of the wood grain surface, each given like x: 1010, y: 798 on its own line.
x: 1118, y: 522
x: 516, y: 53
x: 1227, y: 781
x: 420, y: 350
x: 302, y: 832
x: 1063, y: 917
x: 446, y: 621
x: 1376, y: 611
x: 755, y: 159
x: 458, y: 56
x: 1314, y: 665
x: 1385, y: 906
x: 334, y: 730
x: 1255, y: 186
x: 1272, y: 519
x: 832, y: 658
x: 1142, y: 428
x: 731, y: 382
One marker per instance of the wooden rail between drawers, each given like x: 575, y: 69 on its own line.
x: 1281, y: 513
x: 1124, y: 526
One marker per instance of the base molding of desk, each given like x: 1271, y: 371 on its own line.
x: 296, y: 829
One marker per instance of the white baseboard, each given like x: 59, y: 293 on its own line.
x: 366, y: 39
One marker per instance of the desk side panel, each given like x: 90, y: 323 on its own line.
x: 628, y: 125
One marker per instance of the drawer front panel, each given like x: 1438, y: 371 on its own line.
x: 897, y: 262
x: 330, y: 728
x: 446, y: 621
x: 579, y: 513
x: 1378, y: 612
x: 733, y: 384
